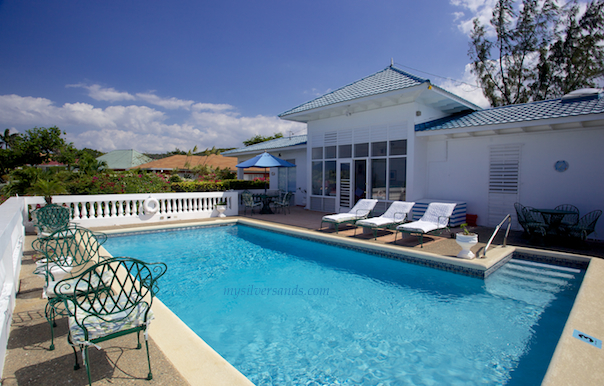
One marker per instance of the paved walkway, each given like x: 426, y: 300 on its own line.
x: 29, y: 362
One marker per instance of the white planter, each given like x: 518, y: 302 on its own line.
x: 466, y: 242
x: 221, y: 209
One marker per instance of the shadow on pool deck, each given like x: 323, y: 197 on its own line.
x: 29, y: 362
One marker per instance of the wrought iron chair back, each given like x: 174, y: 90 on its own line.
x: 569, y: 219
x: 248, y: 201
x: 283, y: 202
x: 50, y: 218
x: 119, y: 305
x: 66, y: 254
x: 585, y: 226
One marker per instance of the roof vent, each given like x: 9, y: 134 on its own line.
x: 583, y: 94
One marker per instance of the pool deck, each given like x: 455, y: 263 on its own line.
x: 179, y: 357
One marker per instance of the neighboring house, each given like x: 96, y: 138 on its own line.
x: 184, y: 164
x: 395, y: 136
x: 291, y: 149
x: 123, y: 159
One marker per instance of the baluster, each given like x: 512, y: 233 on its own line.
x: 84, y: 209
x: 76, y: 210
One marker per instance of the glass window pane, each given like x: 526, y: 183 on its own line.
x: 282, y: 177
x: 330, y: 178
x: 398, y: 147
x: 360, y: 175
x: 378, y: 179
x: 291, y: 176
x: 361, y: 150
x: 330, y: 152
x: 378, y: 149
x: 317, y: 153
x: 317, y: 178
x: 345, y: 151
x: 398, y: 179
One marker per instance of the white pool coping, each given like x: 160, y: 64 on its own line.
x: 574, y: 362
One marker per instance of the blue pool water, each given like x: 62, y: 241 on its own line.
x: 285, y: 310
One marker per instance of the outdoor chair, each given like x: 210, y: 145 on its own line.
x: 435, y: 218
x: 248, y: 202
x: 283, y: 202
x: 531, y: 221
x: 120, y: 307
x: 66, y: 254
x: 585, y: 226
x: 358, y: 212
x: 396, y: 214
x: 50, y: 218
x: 569, y: 219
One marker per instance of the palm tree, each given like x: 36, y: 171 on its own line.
x: 7, y: 139
x: 48, y: 188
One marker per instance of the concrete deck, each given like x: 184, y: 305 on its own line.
x: 28, y: 361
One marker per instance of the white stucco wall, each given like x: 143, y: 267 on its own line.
x: 458, y: 169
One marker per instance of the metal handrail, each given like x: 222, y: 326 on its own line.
x: 507, y: 217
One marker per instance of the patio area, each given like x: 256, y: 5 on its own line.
x: 29, y: 362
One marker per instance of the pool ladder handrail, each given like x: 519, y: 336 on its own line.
x: 507, y: 232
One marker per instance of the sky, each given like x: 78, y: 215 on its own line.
x: 155, y: 75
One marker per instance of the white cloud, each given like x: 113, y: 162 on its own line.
x: 142, y: 128
x: 468, y: 90
x: 481, y: 9
x: 99, y: 93
x: 167, y: 103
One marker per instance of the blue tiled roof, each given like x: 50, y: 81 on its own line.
x: 555, y: 108
x: 387, y: 80
x: 268, y: 145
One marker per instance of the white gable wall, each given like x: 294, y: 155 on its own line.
x: 458, y: 169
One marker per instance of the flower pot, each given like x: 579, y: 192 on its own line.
x: 221, y: 209
x: 466, y: 242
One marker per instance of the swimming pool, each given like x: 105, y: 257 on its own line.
x: 285, y: 310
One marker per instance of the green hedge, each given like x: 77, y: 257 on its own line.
x: 218, y: 186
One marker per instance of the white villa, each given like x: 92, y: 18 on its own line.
x: 395, y: 136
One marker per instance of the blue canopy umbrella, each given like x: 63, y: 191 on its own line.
x: 265, y: 160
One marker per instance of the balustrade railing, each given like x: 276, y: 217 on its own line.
x: 120, y: 209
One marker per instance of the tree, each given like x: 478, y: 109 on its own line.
x: 259, y: 138
x: 540, y: 51
x: 7, y: 139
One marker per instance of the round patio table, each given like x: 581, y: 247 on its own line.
x: 553, y: 217
x: 266, y: 202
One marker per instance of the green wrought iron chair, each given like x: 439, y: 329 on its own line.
x: 529, y: 220
x: 283, y: 202
x: 569, y: 219
x: 50, y: 218
x: 248, y: 202
x: 66, y: 253
x: 120, y: 306
x: 585, y: 226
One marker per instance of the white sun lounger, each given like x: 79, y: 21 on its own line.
x: 360, y: 211
x: 435, y: 218
x: 396, y: 214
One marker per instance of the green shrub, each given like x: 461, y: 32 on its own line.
x: 119, y: 182
x: 216, y: 186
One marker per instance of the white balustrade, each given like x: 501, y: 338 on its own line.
x: 121, y: 209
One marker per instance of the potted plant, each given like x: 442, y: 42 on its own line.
x: 466, y: 241
x: 221, y: 206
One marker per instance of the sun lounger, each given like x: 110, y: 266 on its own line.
x: 360, y: 211
x: 396, y: 214
x: 435, y: 218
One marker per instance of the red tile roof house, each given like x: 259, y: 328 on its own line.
x: 185, y: 163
